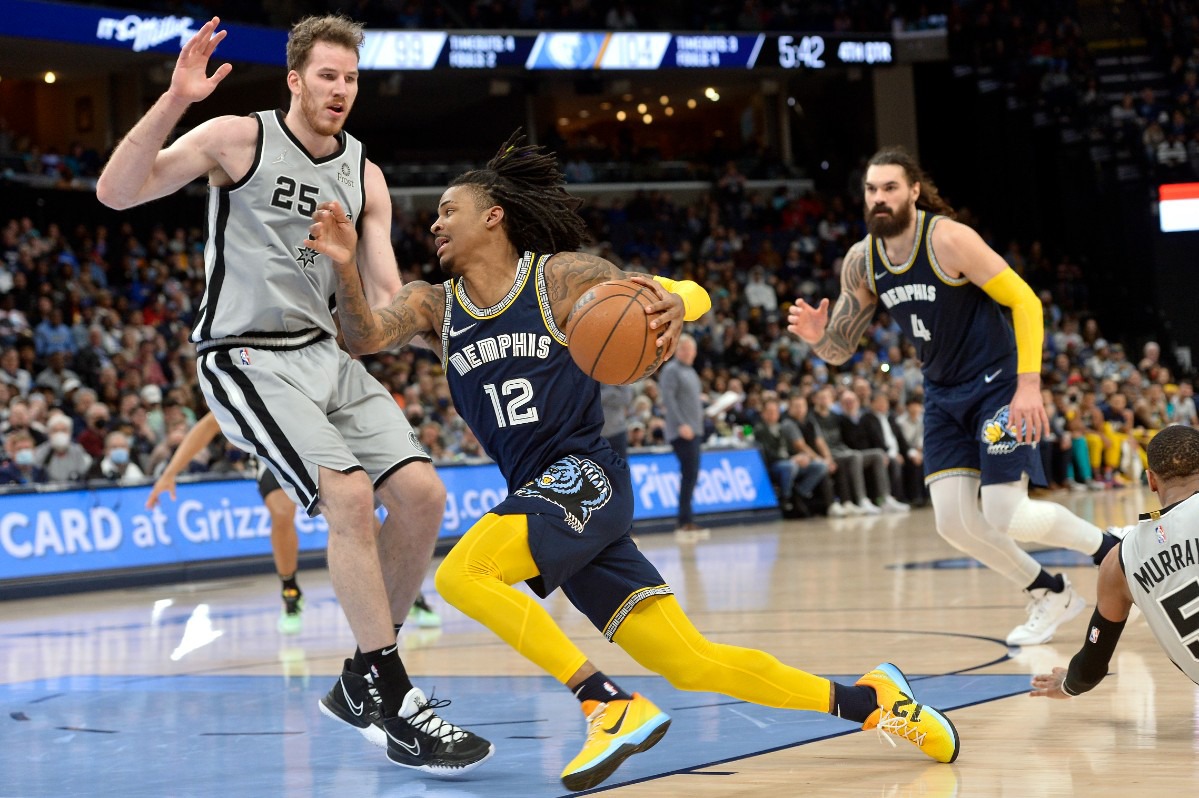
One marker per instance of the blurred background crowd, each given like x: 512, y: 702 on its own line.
x: 97, y: 376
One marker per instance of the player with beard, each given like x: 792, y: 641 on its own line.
x: 269, y: 364
x: 982, y: 377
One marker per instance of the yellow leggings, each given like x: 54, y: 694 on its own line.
x: 477, y: 578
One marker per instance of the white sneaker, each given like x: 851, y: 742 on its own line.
x: 894, y: 505
x: 837, y: 510
x: 1046, y: 612
x: 852, y: 509
x: 868, y: 507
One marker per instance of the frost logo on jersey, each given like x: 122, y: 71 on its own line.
x: 145, y: 32
x: 578, y: 486
x: 998, y: 434
x: 416, y: 442
x: 1160, y: 531
x: 343, y: 175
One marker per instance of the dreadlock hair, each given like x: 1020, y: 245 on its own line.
x: 523, y: 179
x: 1174, y: 452
x: 930, y: 199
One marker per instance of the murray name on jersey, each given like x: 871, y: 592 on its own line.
x: 908, y: 293
x: 1171, y: 558
x: 500, y: 347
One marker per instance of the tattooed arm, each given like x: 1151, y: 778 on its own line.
x: 417, y: 308
x: 835, y: 338
x: 569, y: 275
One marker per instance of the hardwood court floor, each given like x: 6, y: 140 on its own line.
x: 189, y: 689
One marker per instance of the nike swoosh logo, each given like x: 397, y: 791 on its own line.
x: 880, y: 275
x: 391, y: 650
x: 990, y: 377
x: 356, y: 708
x: 412, y: 748
x: 619, y: 721
x: 455, y: 333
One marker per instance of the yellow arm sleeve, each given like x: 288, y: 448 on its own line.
x: 1009, y: 290
x: 696, y: 301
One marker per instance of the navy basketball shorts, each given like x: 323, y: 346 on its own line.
x: 580, y: 511
x: 966, y: 432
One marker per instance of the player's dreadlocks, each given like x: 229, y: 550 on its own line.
x: 524, y: 180
x: 930, y: 199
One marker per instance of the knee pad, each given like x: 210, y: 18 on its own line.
x: 1011, y: 511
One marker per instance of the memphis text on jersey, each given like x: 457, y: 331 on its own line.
x: 907, y: 293
x: 500, y: 347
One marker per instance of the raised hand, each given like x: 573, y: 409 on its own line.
x: 190, y: 80
x: 807, y: 322
x: 166, y: 482
x: 332, y: 233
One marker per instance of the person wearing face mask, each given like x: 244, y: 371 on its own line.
x: 116, y: 465
x: 18, y: 466
x: 62, y: 458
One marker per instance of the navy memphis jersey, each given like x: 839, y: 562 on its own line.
x: 513, y: 380
x: 958, y: 330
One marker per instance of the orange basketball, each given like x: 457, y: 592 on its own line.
x: 609, y: 333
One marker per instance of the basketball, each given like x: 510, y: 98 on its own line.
x: 609, y: 334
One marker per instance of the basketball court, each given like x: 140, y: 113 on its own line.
x: 189, y: 689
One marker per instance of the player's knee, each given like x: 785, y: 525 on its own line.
x: 1031, y: 520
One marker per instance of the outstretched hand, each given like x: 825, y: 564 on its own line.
x: 807, y: 322
x: 190, y: 80
x: 332, y: 233
x: 666, y: 315
x: 166, y: 482
x: 1049, y: 685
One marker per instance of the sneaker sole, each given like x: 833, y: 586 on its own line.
x: 586, y: 779
x: 1069, y: 615
x: 441, y: 771
x: 896, y: 675
x: 373, y: 734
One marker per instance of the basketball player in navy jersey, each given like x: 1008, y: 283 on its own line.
x: 983, y: 414
x: 269, y: 365
x: 508, y: 234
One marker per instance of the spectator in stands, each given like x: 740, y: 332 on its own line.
x: 617, y: 401
x: 92, y: 438
x: 12, y: 374
x: 904, y: 464
x: 20, y: 418
x: 682, y: 400
x: 860, y: 432
x: 52, y: 334
x: 911, y: 424
x: 151, y: 396
x: 62, y: 459
x: 791, y: 466
x: 56, y: 374
x: 19, y: 466
x: 1183, y: 409
x: 116, y: 465
x: 850, y: 473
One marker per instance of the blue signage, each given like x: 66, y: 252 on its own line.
x: 136, y: 31
x: 78, y: 531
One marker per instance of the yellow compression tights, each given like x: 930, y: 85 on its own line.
x: 660, y: 637
x: 477, y: 577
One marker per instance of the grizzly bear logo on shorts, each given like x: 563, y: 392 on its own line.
x: 577, y: 485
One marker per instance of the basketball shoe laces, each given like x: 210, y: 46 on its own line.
x: 428, y: 722
x: 890, y: 724
x: 595, y: 722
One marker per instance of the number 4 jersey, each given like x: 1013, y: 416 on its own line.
x: 260, y: 278
x: 1160, y: 560
x: 958, y: 330
x: 513, y: 380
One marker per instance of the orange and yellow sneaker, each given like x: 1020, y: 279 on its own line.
x: 615, y: 731
x: 900, y: 715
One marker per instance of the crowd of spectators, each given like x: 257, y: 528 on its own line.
x: 97, y: 377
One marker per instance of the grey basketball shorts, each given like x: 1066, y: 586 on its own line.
x: 301, y: 408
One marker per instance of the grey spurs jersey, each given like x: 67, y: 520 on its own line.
x: 260, y: 279
x: 1160, y: 559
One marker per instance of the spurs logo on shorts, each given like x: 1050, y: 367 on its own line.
x: 578, y: 486
x: 998, y: 434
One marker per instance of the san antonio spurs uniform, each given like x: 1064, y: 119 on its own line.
x: 539, y: 417
x: 1160, y: 560
x: 967, y: 351
x: 268, y: 361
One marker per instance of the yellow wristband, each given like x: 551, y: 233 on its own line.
x: 1009, y: 290
x: 696, y: 301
